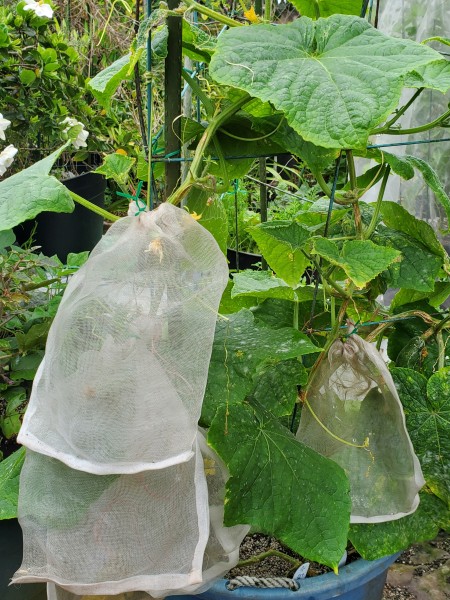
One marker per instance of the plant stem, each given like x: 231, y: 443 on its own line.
x: 332, y: 336
x: 268, y: 10
x: 441, y: 348
x: 210, y: 131
x: 212, y: 13
x: 404, y: 108
x: 333, y: 311
x: 337, y: 287
x: 317, y: 9
x: 40, y: 284
x: 205, y: 140
x: 406, y: 315
x: 137, y: 82
x: 351, y: 169
x: 353, y: 185
x: 295, y: 323
x: 323, y: 184
x: 259, y: 557
x: 441, y: 324
x: 418, y: 129
x: 373, y: 222
x: 89, y: 205
x: 208, y: 105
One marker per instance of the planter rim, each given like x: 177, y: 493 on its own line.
x: 323, y: 586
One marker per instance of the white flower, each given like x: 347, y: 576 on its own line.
x: 7, y: 158
x: 40, y: 8
x: 81, y: 136
x: 4, y: 124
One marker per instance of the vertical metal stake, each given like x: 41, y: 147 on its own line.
x: 172, y: 99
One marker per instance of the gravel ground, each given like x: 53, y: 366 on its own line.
x: 421, y: 573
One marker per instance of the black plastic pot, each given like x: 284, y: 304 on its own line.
x: 242, y: 260
x: 62, y: 233
x: 10, y: 561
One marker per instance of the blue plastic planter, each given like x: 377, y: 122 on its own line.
x: 360, y: 580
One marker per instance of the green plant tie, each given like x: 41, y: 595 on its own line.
x: 136, y: 198
x: 354, y: 330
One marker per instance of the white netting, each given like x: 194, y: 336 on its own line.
x: 154, y: 533
x: 354, y: 397
x: 106, y: 534
x: 129, y: 348
x: 120, y: 496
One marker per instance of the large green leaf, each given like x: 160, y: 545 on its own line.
x: 116, y: 166
x: 335, y: 79
x: 418, y: 269
x: 241, y: 347
x: 435, y: 75
x: 380, y: 539
x: 9, y: 484
x: 276, y: 385
x: 326, y: 8
x: 104, y: 84
x: 31, y: 191
x: 197, y: 44
x: 397, y: 217
x: 264, y: 284
x: 427, y: 412
x: 316, y: 157
x: 362, y: 260
x: 229, y: 305
x: 435, y: 298
x: 282, y: 243
x: 280, y: 486
x: 7, y: 238
x: 398, y: 164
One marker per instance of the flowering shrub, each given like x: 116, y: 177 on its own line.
x: 40, y: 9
x: 42, y: 82
x: 76, y: 132
x: 7, y: 157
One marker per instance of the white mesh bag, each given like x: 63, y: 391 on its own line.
x: 354, y: 397
x: 114, y: 496
x: 109, y: 534
x: 145, y: 533
x: 123, y: 378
